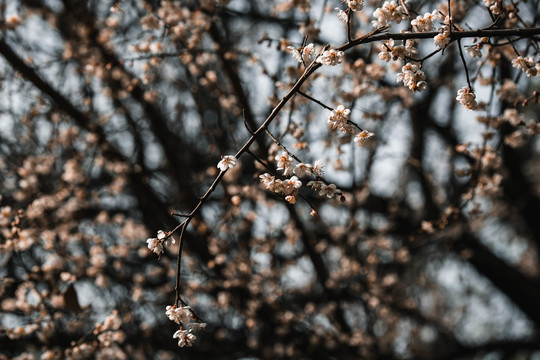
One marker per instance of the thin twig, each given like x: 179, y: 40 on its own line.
x: 464, y: 64
x: 179, y: 215
x: 245, y: 123
x: 349, y: 21
x: 315, y: 100
x: 368, y: 38
x: 282, y: 146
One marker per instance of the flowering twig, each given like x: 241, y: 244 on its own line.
x: 330, y: 59
x: 275, y: 173
x: 182, y: 226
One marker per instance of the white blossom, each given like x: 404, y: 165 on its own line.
x: 295, y: 53
x: 331, y: 57
x: 425, y: 23
x: 291, y: 199
x: 291, y: 185
x: 442, y: 39
x: 267, y: 179
x: 338, y: 118
x: 385, y: 56
x: 355, y: 5
x: 526, y: 64
x: 307, y: 52
x: 412, y: 77
x: 288, y: 187
x: 302, y: 54
x: 303, y: 169
x: 227, y: 162
x: 315, y: 184
x: 328, y: 190
x: 494, y: 6
x: 180, y: 314
x: 363, y: 137
x: 473, y: 51
x: 185, y: 338
x: 155, y: 245
x: 284, y: 163
x: 318, y: 168
x: 397, y: 52
x: 342, y: 15
x: 389, y: 12
x: 467, y: 98
x: 521, y: 63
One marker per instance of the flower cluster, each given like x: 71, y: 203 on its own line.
x: 180, y: 315
x: 183, y: 315
x: 156, y: 244
x: 474, y: 51
x: 284, y: 163
x: 443, y: 38
x: 466, y: 97
x: 185, y: 337
x: 494, y: 6
x: 303, y: 169
x: 390, y: 51
x: 288, y: 187
x: 302, y: 55
x: 389, y: 12
x: 331, y: 57
x: 412, y: 77
x: 364, y: 137
x: 354, y: 5
x: 339, y: 119
x: 426, y: 22
x: 342, y: 15
x: 325, y: 190
x: 227, y: 162
x: 527, y: 65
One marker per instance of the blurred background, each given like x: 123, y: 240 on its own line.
x: 113, y: 115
